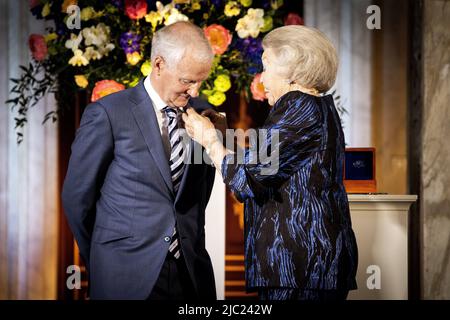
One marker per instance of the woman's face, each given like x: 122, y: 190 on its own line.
x: 274, y: 85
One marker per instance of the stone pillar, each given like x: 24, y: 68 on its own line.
x: 435, y: 171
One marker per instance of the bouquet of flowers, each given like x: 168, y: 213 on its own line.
x: 104, y: 46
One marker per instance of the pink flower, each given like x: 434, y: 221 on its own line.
x: 104, y: 87
x: 136, y: 9
x: 219, y: 38
x: 293, y: 18
x: 38, y: 46
x: 33, y: 3
x: 257, y: 88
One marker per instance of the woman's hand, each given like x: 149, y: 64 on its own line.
x: 199, y: 128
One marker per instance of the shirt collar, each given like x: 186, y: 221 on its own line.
x: 158, y: 103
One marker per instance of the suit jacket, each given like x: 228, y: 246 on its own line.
x: 120, y: 204
x: 298, y: 230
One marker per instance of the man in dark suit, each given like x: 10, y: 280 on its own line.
x: 136, y: 210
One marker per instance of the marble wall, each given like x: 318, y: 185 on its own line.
x: 435, y: 201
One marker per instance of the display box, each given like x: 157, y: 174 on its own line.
x: 359, y: 170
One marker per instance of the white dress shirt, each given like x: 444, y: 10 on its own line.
x: 158, y: 105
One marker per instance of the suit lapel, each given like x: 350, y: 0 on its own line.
x: 145, y: 117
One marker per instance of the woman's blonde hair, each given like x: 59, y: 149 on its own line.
x: 304, y: 55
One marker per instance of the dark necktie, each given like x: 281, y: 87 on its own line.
x: 176, y: 167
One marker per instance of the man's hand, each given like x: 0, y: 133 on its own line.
x: 219, y: 121
x: 199, y: 128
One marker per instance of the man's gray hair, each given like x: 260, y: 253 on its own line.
x: 172, y: 42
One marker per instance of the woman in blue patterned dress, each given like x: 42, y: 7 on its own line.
x: 299, y: 242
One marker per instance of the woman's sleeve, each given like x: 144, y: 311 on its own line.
x: 289, y: 140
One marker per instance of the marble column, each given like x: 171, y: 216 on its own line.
x: 435, y: 175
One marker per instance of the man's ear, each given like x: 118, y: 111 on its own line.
x: 159, y: 64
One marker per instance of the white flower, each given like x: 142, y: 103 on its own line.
x: 250, y: 24
x: 96, y: 35
x: 175, y: 16
x: 74, y: 41
x: 163, y: 9
x: 170, y: 13
x: 104, y: 50
x: 92, y: 54
x: 78, y: 59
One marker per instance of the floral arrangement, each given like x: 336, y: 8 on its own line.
x: 104, y: 46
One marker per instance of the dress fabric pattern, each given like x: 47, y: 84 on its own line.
x: 298, y: 231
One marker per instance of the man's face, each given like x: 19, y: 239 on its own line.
x: 178, y: 83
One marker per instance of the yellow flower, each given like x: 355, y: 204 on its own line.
x: 81, y: 81
x: 196, y: 5
x: 246, y: 3
x: 222, y: 83
x: 205, y: 16
x: 217, y: 98
x: 268, y: 24
x: 66, y: 4
x: 232, y: 9
x: 275, y: 4
x: 133, y: 58
x: 154, y: 18
x: 133, y: 83
x: 78, y: 59
x: 146, y: 68
x: 46, y: 10
x: 87, y: 13
x: 51, y: 36
x: 207, y: 92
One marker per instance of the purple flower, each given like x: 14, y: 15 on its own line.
x: 251, y: 51
x: 254, y: 69
x: 117, y: 3
x: 217, y: 2
x: 266, y: 4
x: 129, y: 42
x: 251, y: 48
x: 61, y: 28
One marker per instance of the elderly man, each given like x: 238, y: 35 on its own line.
x: 136, y: 209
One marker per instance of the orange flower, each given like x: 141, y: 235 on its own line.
x: 38, y: 46
x: 257, y: 88
x: 104, y: 87
x: 219, y: 38
x: 136, y: 9
x: 66, y: 4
